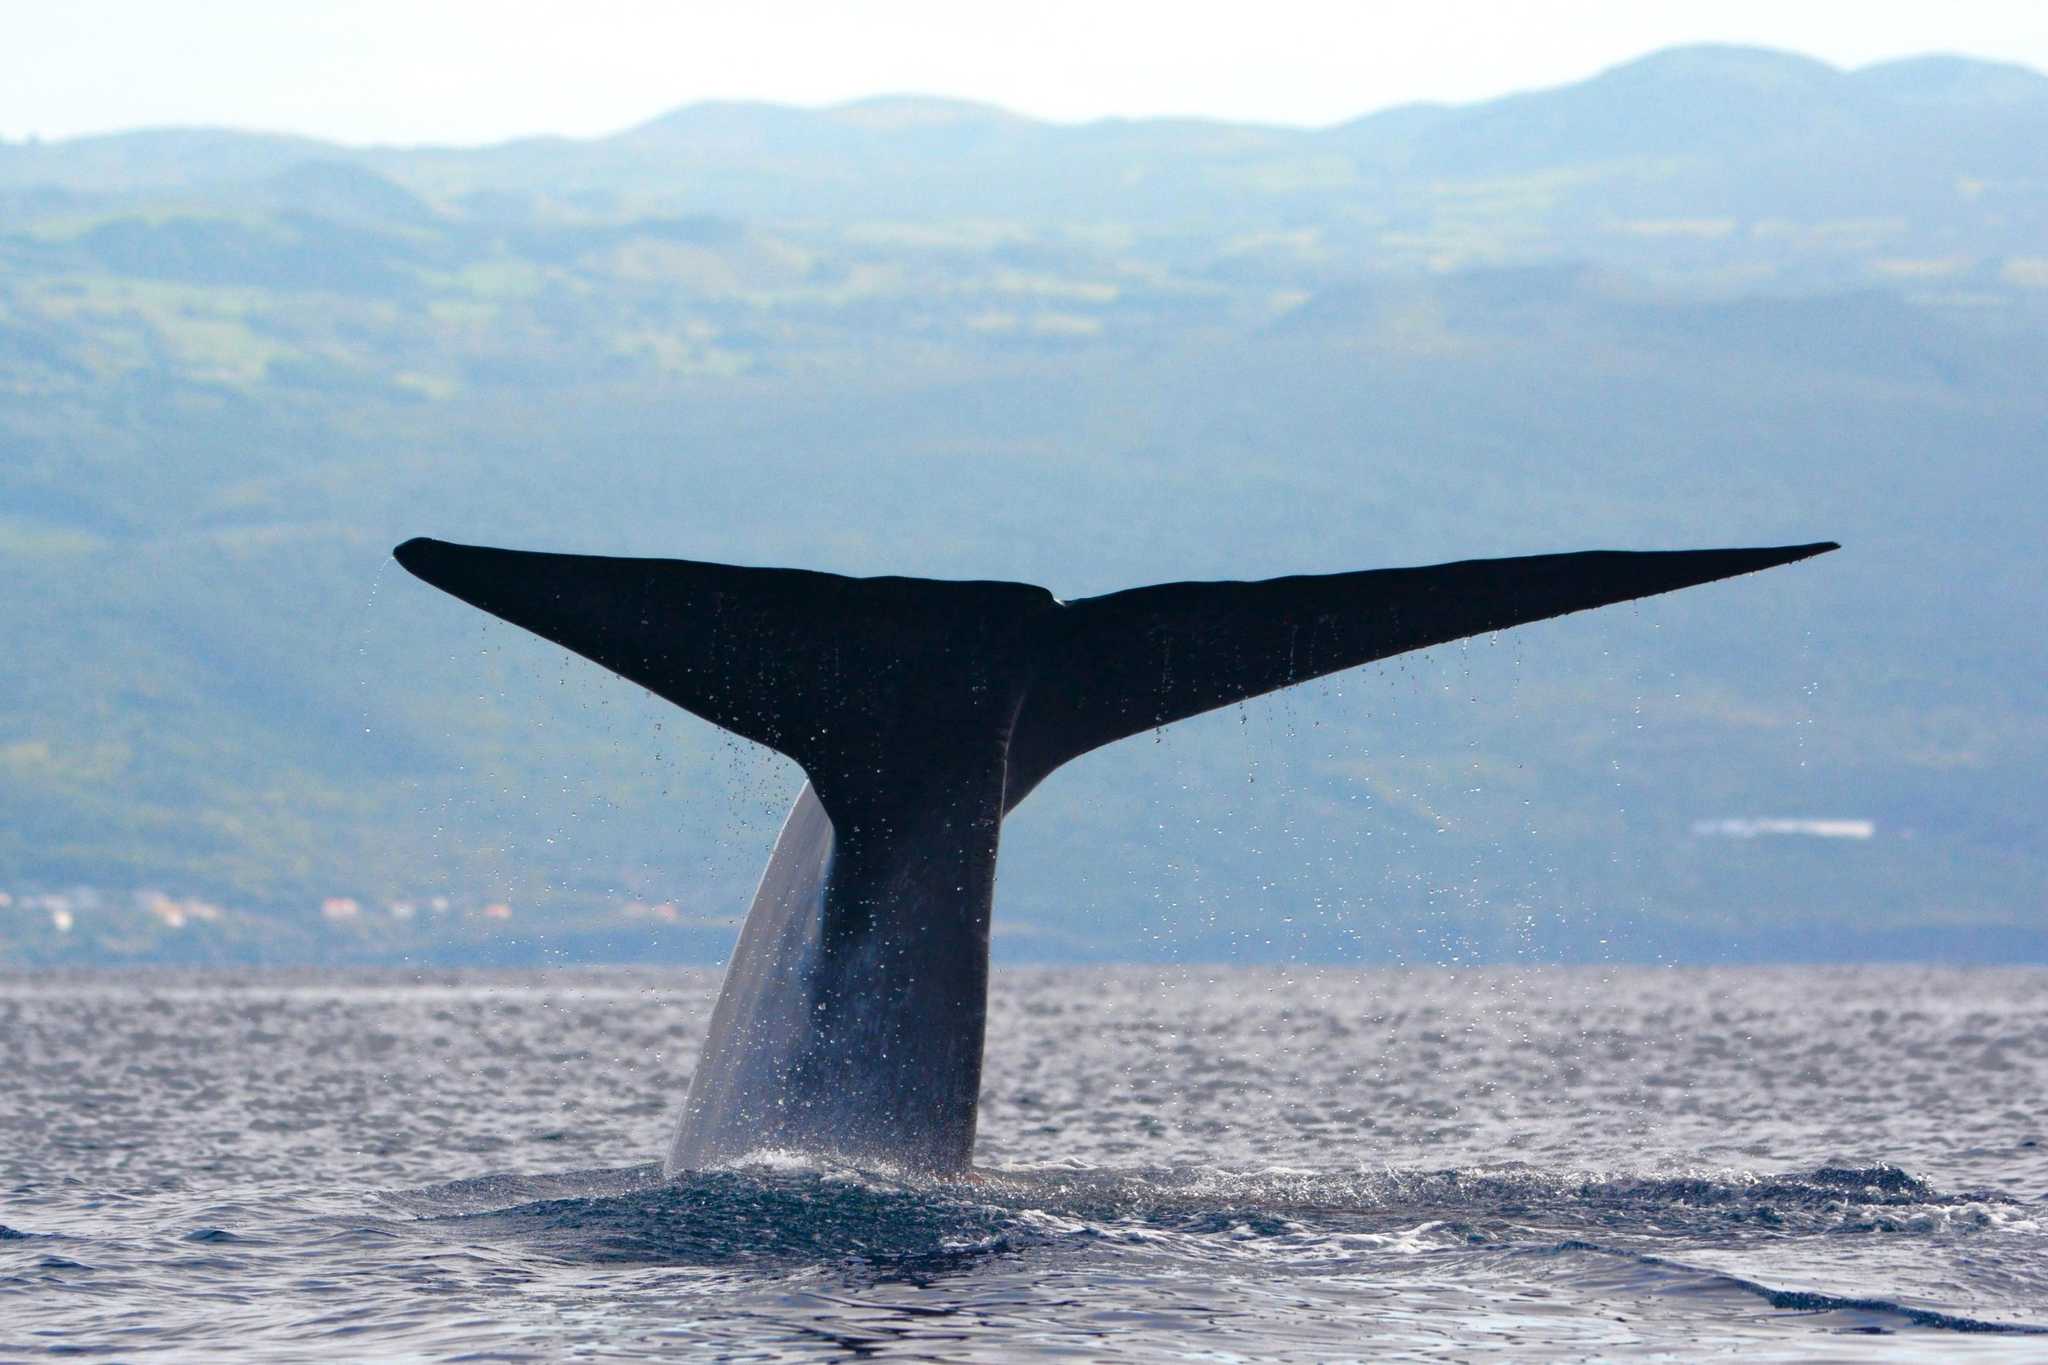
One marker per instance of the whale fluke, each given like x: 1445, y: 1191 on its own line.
x: 1136, y: 660
x: 870, y: 684
x: 922, y: 711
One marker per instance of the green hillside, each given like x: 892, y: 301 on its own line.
x: 1715, y: 297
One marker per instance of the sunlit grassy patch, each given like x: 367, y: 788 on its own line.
x: 432, y: 386
x: 1921, y: 267
x: 503, y: 278
x: 19, y: 536
x: 1052, y: 286
x: 2029, y: 272
x: 1699, y: 229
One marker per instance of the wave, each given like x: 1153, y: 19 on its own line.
x: 1859, y: 1310
x: 786, y: 1215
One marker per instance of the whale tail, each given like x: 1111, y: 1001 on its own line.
x: 852, y: 1014
x: 874, y: 685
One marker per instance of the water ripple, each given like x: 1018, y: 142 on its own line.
x: 1258, y: 1165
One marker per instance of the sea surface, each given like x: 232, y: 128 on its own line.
x: 1185, y: 1164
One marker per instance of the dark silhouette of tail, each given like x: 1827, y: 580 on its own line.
x: 852, y: 1016
x: 1136, y: 660
x: 880, y: 687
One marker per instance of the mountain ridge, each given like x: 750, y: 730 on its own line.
x: 1703, y: 64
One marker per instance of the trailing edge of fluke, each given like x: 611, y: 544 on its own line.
x: 922, y: 711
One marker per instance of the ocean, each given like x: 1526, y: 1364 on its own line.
x: 1213, y: 1164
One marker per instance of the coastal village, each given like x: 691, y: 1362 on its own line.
x: 136, y: 924
x: 81, y: 923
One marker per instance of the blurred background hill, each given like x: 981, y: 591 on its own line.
x: 1714, y: 296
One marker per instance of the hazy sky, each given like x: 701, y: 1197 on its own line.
x: 461, y: 71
